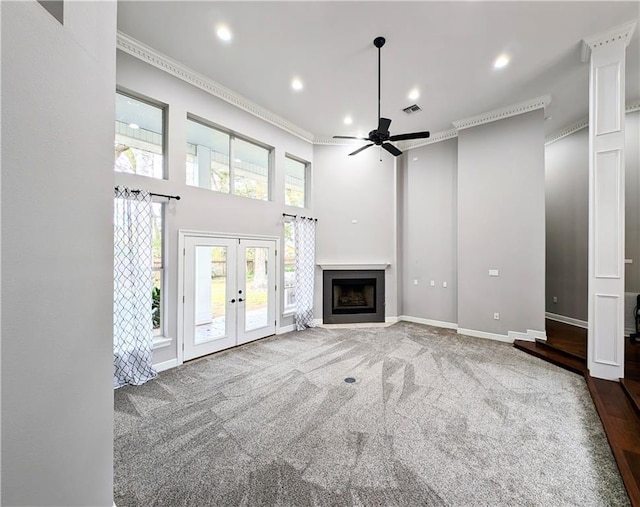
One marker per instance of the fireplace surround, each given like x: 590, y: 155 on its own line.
x: 352, y: 296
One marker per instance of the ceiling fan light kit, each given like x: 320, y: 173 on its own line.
x: 381, y: 135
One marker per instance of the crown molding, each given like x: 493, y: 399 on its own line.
x: 584, y: 123
x: 567, y: 131
x: 330, y: 141
x: 435, y: 138
x: 616, y: 33
x: 161, y: 61
x: 503, y: 112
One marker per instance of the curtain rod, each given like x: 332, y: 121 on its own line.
x: 176, y: 197
x: 296, y: 216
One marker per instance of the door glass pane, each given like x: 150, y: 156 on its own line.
x: 210, y: 297
x: 256, y: 288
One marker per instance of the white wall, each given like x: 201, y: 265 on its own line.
x: 567, y: 225
x: 428, y: 223
x: 355, y: 188
x: 501, y: 225
x: 202, y: 209
x: 57, y: 254
x: 567, y: 205
x: 632, y: 201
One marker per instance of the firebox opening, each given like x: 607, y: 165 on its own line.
x: 354, y: 296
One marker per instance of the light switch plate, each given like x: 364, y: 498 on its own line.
x: 494, y: 272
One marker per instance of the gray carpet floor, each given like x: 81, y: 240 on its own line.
x: 434, y: 418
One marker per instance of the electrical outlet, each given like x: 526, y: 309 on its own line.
x: 444, y: 284
x: 496, y: 316
x: 415, y: 282
x: 555, y: 299
x: 432, y: 283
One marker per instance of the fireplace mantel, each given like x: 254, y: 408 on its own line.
x: 335, y: 266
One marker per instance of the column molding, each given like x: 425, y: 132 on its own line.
x: 605, y: 53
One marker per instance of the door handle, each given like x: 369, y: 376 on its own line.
x: 233, y: 301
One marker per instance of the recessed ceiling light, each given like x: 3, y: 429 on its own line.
x: 223, y: 33
x: 296, y: 84
x: 134, y: 126
x: 414, y: 94
x: 501, y: 61
x: 348, y: 120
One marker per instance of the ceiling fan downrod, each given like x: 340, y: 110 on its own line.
x: 379, y: 42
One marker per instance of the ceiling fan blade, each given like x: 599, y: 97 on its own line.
x: 412, y: 135
x: 351, y: 137
x: 360, y: 149
x: 391, y: 149
x: 383, y: 125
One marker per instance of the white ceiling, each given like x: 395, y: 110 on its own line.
x: 446, y: 49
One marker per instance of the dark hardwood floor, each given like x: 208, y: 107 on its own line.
x: 570, y: 339
x: 617, y: 403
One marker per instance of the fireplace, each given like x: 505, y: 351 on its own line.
x: 351, y: 296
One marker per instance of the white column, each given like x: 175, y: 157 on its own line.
x: 606, y: 52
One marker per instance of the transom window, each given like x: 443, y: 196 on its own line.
x: 220, y: 161
x: 295, y: 182
x: 139, y: 139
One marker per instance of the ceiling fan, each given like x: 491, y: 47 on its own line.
x: 381, y: 136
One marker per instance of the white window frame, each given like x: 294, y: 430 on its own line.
x: 287, y: 310
x: 307, y: 181
x: 160, y: 338
x: 233, y: 136
x: 165, y: 134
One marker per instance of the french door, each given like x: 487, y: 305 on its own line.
x: 229, y: 293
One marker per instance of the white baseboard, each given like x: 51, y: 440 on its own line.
x: 628, y: 331
x: 391, y: 320
x: 517, y: 335
x: 317, y: 322
x: 567, y: 320
x: 484, y: 334
x: 166, y: 365
x: 530, y: 336
x: 428, y: 322
x: 541, y: 335
x: 286, y: 329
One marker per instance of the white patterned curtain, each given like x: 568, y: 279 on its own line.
x: 305, y: 240
x: 132, y: 298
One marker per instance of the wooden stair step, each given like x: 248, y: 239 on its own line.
x: 560, y: 349
x: 568, y: 362
x: 631, y: 388
x: 622, y: 427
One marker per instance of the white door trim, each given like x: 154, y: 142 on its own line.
x: 182, y: 234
